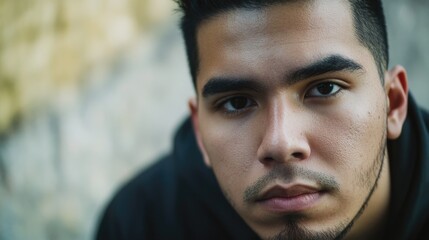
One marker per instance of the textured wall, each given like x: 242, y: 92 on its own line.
x: 75, y: 119
x: 408, y: 26
x: 91, y: 91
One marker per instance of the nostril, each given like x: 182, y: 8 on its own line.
x: 298, y: 155
x: 269, y: 159
x: 295, y: 155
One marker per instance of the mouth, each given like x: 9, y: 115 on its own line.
x: 291, y: 199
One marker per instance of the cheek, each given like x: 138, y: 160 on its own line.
x: 348, y: 140
x: 231, y: 148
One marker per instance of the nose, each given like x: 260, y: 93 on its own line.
x: 283, y: 137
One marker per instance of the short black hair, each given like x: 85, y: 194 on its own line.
x: 368, y: 17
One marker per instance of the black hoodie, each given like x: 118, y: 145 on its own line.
x: 179, y: 197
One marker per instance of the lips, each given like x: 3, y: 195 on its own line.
x: 290, y: 192
x: 289, y: 199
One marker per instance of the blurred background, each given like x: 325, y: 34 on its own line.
x: 91, y: 92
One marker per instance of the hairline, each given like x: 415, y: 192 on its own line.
x: 380, y: 64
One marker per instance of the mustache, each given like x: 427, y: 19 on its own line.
x: 287, y: 173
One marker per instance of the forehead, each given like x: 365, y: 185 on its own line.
x: 286, y: 34
x: 294, y: 17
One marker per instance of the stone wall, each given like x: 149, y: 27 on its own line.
x: 91, y: 91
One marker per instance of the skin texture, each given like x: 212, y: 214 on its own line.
x: 326, y: 131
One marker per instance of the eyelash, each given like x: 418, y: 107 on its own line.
x: 221, y: 104
x: 315, y: 86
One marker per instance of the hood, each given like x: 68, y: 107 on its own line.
x: 409, y: 172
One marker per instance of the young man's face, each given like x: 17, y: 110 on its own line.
x: 291, y: 116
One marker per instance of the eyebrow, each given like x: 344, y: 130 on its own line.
x: 225, y: 84
x: 332, y: 63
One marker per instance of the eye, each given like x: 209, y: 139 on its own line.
x: 325, y: 89
x: 237, y: 104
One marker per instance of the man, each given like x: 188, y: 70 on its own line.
x: 304, y: 132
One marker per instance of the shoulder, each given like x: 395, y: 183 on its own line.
x: 146, y: 185
x: 133, y: 212
x: 425, y: 115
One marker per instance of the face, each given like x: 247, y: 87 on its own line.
x: 292, y: 115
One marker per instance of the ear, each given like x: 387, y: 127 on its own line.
x: 396, y: 87
x: 193, y: 107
